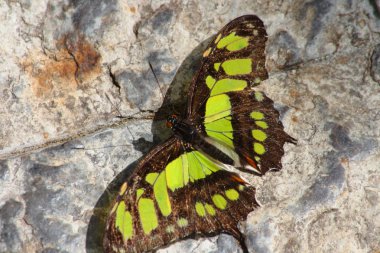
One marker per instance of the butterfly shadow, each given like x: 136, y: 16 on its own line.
x: 174, y: 102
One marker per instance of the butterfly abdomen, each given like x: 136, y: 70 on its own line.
x: 213, y: 151
x: 194, y: 135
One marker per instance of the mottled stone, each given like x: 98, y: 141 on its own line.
x: 81, y: 82
x: 10, y: 239
x: 376, y: 6
x: 283, y: 49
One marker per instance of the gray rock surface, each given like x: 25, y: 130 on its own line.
x: 69, y: 69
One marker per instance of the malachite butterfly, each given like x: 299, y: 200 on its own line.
x: 182, y: 187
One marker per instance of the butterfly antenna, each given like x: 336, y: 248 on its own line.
x: 133, y: 138
x: 155, y: 77
x: 160, y: 87
x: 115, y: 107
x: 99, y: 148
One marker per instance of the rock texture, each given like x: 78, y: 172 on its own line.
x: 78, y: 97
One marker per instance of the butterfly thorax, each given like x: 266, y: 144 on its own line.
x: 181, y: 128
x: 192, y: 134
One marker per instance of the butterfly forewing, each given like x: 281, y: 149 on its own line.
x: 234, y: 60
x: 185, y: 195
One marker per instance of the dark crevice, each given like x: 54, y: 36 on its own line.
x: 136, y: 28
x: 77, y: 66
x: 114, y: 79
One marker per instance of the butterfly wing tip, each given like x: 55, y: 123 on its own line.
x: 240, y: 237
x: 290, y: 139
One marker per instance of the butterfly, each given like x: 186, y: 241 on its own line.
x: 184, y: 187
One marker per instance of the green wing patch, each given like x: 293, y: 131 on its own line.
x: 164, y: 202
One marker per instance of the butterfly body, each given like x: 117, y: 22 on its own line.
x: 183, y: 129
x: 181, y: 188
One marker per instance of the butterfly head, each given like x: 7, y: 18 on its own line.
x: 172, y: 121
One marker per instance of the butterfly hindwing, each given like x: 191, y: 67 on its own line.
x: 258, y: 135
x: 176, y: 192
x: 246, y: 126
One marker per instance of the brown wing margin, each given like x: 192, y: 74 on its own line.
x: 242, y: 26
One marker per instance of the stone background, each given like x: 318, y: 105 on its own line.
x: 78, y: 103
